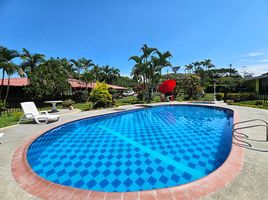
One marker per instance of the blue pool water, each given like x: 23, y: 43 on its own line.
x: 137, y: 150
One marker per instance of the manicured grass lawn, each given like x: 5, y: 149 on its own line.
x: 83, y: 106
x: 251, y: 104
x: 133, y: 100
x: 8, y: 120
x: 207, y: 97
x: 125, y: 100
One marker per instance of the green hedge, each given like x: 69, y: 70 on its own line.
x: 237, y: 97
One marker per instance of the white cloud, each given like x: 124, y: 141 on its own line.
x: 254, y: 54
x: 257, y: 69
x: 265, y: 60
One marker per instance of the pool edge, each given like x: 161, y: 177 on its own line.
x: 37, y: 186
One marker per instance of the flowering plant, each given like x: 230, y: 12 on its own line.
x: 167, y: 86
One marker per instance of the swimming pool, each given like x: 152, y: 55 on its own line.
x: 145, y: 149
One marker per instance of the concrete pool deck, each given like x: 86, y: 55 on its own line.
x: 251, y: 183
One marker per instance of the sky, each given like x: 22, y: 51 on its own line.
x: 109, y: 32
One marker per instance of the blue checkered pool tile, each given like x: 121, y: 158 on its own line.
x: 137, y: 150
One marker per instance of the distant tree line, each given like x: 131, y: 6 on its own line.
x: 198, y: 76
x: 49, y: 77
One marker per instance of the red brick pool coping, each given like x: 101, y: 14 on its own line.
x: 39, y: 187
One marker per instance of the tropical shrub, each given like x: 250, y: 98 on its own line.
x: 167, y: 87
x: 48, y: 80
x: 100, y: 96
x: 191, y: 86
x: 140, y: 90
x: 68, y: 103
x: 219, y: 96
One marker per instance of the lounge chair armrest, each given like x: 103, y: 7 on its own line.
x: 27, y: 114
x: 44, y: 112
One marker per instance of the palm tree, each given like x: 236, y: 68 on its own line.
x: 69, y: 68
x: 6, y: 55
x: 10, y: 69
x: 207, y: 63
x: 175, y: 69
x: 87, y: 77
x: 81, y: 64
x: 115, y: 73
x: 142, y: 64
x: 196, y: 65
x: 109, y: 74
x: 105, y: 71
x: 138, y: 71
x: 157, y: 64
x: 189, y: 68
x: 203, y: 72
x: 30, y: 61
x: 148, y: 66
x: 96, y: 73
x: 147, y: 51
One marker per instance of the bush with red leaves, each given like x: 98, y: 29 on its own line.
x: 167, y: 87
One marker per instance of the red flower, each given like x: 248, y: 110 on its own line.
x: 167, y: 86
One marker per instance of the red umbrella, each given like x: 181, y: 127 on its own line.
x: 167, y: 86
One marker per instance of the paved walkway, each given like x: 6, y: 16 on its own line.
x: 252, y: 183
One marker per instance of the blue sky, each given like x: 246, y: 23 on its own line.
x: 109, y: 32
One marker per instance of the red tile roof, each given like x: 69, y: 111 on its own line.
x: 20, y: 82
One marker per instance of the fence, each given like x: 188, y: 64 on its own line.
x: 9, y: 111
x: 13, y: 106
x: 262, y: 97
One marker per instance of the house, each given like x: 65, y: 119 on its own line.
x: 17, y: 84
x: 260, y: 84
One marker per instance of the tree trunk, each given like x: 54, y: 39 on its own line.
x: 2, y: 84
x: 8, y: 83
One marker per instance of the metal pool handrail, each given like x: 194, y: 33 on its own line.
x: 247, y: 144
x: 251, y: 126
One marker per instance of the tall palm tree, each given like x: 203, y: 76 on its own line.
x: 109, y: 74
x: 138, y: 71
x: 175, y: 69
x: 148, y: 68
x: 30, y: 61
x: 196, y: 65
x: 6, y: 56
x: 189, y: 68
x: 147, y: 52
x: 81, y: 65
x: 11, y: 69
x: 157, y: 64
x: 114, y: 74
x: 69, y: 68
x: 87, y: 77
x: 207, y: 63
x: 96, y: 73
x: 106, y: 70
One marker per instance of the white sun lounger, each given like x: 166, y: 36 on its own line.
x: 1, y: 135
x: 31, y: 113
